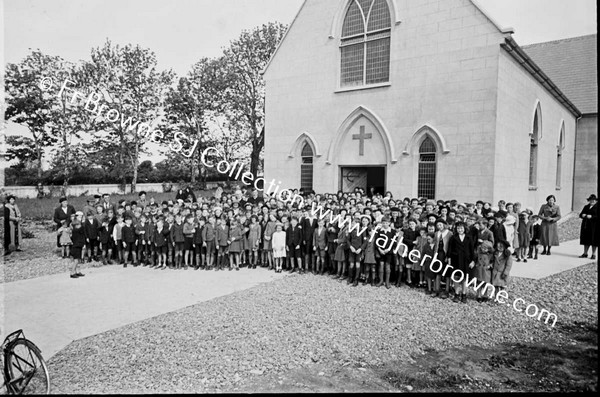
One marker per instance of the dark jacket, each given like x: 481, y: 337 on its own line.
x: 177, y: 233
x: 308, y: 228
x: 60, y: 215
x: 78, y: 237
x: 461, y: 253
x: 293, y: 236
x: 91, y: 229
x: 128, y: 234
x: 161, y: 238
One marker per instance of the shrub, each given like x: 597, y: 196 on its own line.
x: 27, y: 233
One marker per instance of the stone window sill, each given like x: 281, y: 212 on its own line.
x: 361, y: 87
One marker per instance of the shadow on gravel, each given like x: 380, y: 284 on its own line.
x: 531, y: 367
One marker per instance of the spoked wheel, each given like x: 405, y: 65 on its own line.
x: 27, y: 370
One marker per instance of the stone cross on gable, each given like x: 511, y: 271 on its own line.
x: 361, y: 137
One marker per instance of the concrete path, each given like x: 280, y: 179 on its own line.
x: 55, y: 310
x: 564, y: 257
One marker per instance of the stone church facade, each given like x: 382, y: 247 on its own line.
x: 417, y: 97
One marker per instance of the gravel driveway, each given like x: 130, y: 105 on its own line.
x: 303, y: 321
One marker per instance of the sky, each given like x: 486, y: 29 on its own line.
x: 180, y: 32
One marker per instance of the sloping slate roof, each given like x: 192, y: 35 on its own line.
x: 572, y: 64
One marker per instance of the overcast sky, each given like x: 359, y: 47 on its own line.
x: 182, y: 31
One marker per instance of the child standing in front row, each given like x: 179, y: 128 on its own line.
x: 208, y: 241
x: 534, y: 232
x: 77, y: 249
x: 416, y: 267
x: 221, y: 242
x: 524, y: 237
x: 278, y: 246
x: 189, y: 229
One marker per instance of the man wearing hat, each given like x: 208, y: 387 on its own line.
x: 589, y: 227
x: 89, y: 208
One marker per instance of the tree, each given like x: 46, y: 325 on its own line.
x: 145, y: 171
x: 242, y: 65
x: 21, y: 148
x: 29, y: 105
x: 69, y: 118
x: 186, y: 109
x: 128, y: 84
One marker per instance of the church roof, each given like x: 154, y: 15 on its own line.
x: 572, y: 64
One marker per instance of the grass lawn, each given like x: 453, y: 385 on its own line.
x: 41, y: 209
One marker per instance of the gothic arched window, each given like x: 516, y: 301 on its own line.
x: 306, y: 169
x: 533, y: 148
x: 427, y: 169
x: 559, y: 152
x: 365, y: 46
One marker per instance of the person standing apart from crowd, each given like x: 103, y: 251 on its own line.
x: 78, y: 238
x: 589, y: 227
x: 12, y: 226
x: 550, y: 214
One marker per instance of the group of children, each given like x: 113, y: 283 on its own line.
x: 233, y: 230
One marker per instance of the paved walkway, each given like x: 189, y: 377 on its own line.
x: 564, y: 257
x: 55, y: 310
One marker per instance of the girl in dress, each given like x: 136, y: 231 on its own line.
x: 254, y: 232
x: 502, y: 265
x: 236, y: 234
x: 278, y: 246
x: 64, y: 235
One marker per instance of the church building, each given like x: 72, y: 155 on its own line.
x: 423, y: 98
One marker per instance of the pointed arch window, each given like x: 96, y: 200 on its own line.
x: 365, y: 45
x: 533, y: 149
x: 427, y: 168
x: 559, y: 153
x: 306, y: 169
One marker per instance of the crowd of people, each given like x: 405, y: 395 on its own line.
x: 229, y: 231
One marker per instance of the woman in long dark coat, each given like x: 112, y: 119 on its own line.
x: 589, y: 227
x: 550, y: 214
x: 12, y: 228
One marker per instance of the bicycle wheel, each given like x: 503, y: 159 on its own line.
x: 27, y: 369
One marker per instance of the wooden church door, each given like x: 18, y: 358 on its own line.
x: 353, y: 178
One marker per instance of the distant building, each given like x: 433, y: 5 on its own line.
x: 572, y: 64
x: 421, y: 98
